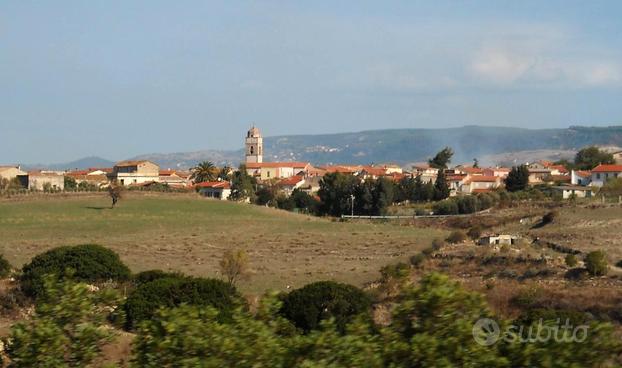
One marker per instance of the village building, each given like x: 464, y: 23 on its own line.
x: 480, y: 184
x: 277, y: 170
x: 174, y: 178
x: 425, y: 171
x: 214, y: 189
x: 580, y: 177
x: 288, y: 185
x: 538, y: 175
x: 502, y: 239
x: 617, y: 156
x: 253, y: 146
x: 128, y: 173
x: 12, y: 173
x: 46, y: 180
x: 602, y: 173
x: 573, y: 191
x: 501, y: 172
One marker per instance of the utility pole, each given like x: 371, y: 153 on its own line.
x: 352, y: 200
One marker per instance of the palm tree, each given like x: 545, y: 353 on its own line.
x: 225, y: 172
x: 204, y: 171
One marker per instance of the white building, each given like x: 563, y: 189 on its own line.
x: 602, y: 173
x: 135, y: 172
x: 215, y: 189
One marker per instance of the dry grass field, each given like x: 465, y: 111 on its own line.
x: 189, y: 234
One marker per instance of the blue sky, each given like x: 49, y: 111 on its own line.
x: 122, y: 78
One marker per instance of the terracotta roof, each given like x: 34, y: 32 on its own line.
x: 214, y: 184
x: 471, y: 170
x: 583, y: 173
x: 607, y: 168
x: 456, y: 177
x: 484, y: 179
x: 259, y: 165
x: 374, y: 171
x: 560, y: 168
x: 482, y: 190
x: 291, y: 180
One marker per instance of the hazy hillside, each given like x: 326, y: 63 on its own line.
x: 81, y: 164
x: 410, y: 145
x: 403, y: 146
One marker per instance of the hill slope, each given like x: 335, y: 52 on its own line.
x: 408, y: 145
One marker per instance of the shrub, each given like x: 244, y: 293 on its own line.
x: 571, y: 260
x: 169, y: 292
x: 5, y: 267
x: 152, y: 275
x: 447, y: 207
x: 475, y: 232
x: 549, y: 217
x: 308, y: 306
x: 467, y: 204
x: 437, y: 244
x: 596, y: 263
x: 456, y: 237
x: 88, y: 262
x: 417, y: 259
x: 396, y: 271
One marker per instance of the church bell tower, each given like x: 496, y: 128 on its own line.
x: 254, y: 146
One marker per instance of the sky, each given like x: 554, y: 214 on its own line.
x: 121, y: 78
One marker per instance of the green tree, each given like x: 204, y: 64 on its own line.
x: 596, y: 263
x: 427, y: 194
x: 242, y: 185
x: 308, y: 306
x: 335, y: 193
x: 204, y: 171
x: 441, y: 187
x: 442, y: 158
x: 68, y: 328
x: 475, y: 163
x: 590, y: 157
x: 188, y: 337
x: 70, y: 183
x: 518, y: 178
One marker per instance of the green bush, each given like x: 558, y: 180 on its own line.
x: 596, y: 263
x: 417, y: 259
x: 5, y: 267
x: 152, y: 275
x: 467, y: 204
x: 308, y: 306
x: 169, y: 292
x: 549, y: 217
x: 437, y: 244
x: 88, y: 262
x: 446, y: 207
x: 456, y: 237
x: 475, y: 232
x: 571, y: 260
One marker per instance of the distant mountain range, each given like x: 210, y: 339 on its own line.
x: 491, y: 145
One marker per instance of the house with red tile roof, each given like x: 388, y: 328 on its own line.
x: 288, y: 185
x: 175, y: 178
x: 214, y: 189
x: 580, y: 177
x: 602, y: 173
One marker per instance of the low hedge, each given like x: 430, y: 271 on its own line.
x: 308, y: 306
x: 88, y: 262
x: 172, y: 291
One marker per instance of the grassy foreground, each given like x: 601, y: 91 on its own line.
x: 189, y: 234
